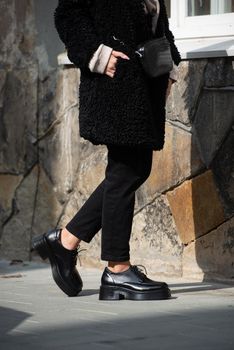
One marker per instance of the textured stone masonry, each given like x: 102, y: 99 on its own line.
x: 196, y: 207
x: 183, y: 217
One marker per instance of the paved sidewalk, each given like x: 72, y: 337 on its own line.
x: 35, y: 314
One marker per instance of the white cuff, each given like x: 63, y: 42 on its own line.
x: 174, y: 72
x: 100, y: 59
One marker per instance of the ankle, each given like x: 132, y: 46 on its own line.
x: 68, y: 240
x: 118, y: 266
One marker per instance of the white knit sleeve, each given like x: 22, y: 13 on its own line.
x: 100, y: 59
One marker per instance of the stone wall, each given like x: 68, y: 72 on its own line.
x: 184, y: 213
x: 30, y: 91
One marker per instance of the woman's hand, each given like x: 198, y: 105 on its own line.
x: 110, y: 68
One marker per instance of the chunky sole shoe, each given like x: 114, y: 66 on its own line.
x: 65, y: 275
x: 131, y: 284
x: 119, y: 293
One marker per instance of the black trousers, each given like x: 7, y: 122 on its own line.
x: 111, y: 206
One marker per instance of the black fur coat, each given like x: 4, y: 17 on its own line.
x: 128, y: 109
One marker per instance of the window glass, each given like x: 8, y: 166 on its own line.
x: 209, y: 7
x: 168, y: 6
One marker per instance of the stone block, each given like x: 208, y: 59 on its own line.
x: 181, y: 105
x: 16, y: 233
x: 196, y: 207
x: 72, y: 206
x: 67, y: 91
x: 8, y: 185
x: 178, y: 160
x: 25, y: 29
x: 47, y: 208
x: 213, y: 121
x: 17, y: 34
x: 36, y: 210
x: 154, y: 241
x: 47, y: 101
x: 211, y: 256
x: 92, y: 255
x: 87, y: 148
x: 88, y: 259
x: 223, y: 168
x: 2, y: 85
x: 59, y: 148
x: 3, y: 75
x: 59, y: 154
x: 91, y: 173
x: 19, y: 121
x: 6, y: 28
x: 219, y: 72
x: 57, y: 95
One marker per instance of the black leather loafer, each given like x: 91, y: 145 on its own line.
x: 131, y: 284
x: 62, y: 260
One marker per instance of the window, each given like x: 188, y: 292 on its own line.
x: 209, y: 7
x: 203, y: 22
x: 202, y: 18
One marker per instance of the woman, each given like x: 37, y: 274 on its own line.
x: 123, y: 109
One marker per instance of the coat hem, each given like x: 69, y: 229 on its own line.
x: 148, y: 145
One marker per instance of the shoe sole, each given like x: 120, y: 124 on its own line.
x: 43, y: 248
x: 120, y: 293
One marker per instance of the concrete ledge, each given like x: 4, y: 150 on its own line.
x: 63, y: 59
x: 206, y: 47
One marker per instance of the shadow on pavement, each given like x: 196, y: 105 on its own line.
x: 197, y: 286
x: 87, y: 292
x: 10, y: 319
x: 205, y: 330
x: 19, y: 266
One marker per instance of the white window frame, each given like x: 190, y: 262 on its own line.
x: 202, y: 36
x: 205, y: 26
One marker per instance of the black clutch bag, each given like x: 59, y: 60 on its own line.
x: 155, y: 56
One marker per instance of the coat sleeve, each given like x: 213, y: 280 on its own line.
x: 76, y: 30
x: 174, y: 51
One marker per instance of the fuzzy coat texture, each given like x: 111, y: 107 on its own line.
x: 128, y: 109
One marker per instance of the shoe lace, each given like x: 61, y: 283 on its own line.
x: 75, y: 254
x: 140, y: 270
